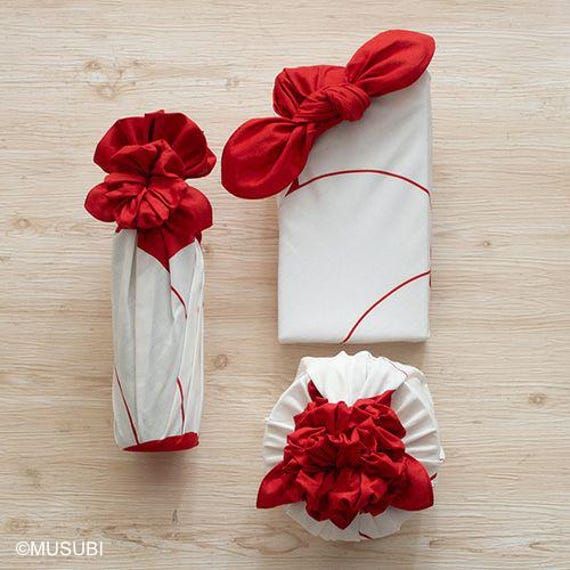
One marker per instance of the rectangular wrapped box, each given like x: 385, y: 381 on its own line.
x: 354, y: 232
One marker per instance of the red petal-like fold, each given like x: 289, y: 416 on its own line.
x: 417, y: 492
x: 314, y: 393
x: 98, y: 205
x: 264, y: 156
x: 181, y: 133
x: 124, y: 132
x: 278, y: 488
x: 192, y: 216
x: 188, y: 141
x: 390, y: 61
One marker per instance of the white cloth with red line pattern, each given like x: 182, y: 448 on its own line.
x: 158, y: 326
x: 354, y: 237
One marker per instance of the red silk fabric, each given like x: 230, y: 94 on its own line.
x: 147, y: 160
x: 345, y: 460
x: 264, y: 156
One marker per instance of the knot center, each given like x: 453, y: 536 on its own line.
x: 346, y: 102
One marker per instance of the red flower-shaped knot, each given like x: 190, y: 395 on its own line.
x: 144, y: 186
x: 148, y: 158
x: 345, y: 460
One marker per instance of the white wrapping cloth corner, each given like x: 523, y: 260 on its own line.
x: 354, y: 237
x: 349, y: 378
x: 158, y: 326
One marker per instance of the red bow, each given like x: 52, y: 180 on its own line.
x: 344, y: 460
x: 148, y: 158
x: 264, y: 156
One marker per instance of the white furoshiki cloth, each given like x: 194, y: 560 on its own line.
x: 354, y: 236
x: 350, y: 378
x: 158, y: 326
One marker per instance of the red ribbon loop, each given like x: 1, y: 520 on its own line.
x: 264, y: 156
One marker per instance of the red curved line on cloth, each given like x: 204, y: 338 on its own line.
x: 182, y: 414
x: 295, y: 186
x: 127, y: 408
x: 383, y: 298
x: 181, y: 300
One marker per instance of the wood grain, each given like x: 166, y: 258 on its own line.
x: 499, y: 356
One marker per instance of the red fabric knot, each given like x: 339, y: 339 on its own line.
x: 345, y: 102
x: 147, y: 159
x: 345, y: 460
x: 146, y: 185
x: 264, y: 156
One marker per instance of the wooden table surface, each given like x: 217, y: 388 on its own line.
x: 499, y: 356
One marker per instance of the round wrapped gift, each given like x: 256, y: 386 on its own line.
x: 393, y: 403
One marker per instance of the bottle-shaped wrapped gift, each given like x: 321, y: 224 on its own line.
x: 350, y: 159
x: 158, y: 276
